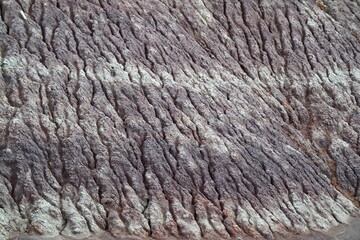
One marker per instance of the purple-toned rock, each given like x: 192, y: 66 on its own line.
x: 178, y: 119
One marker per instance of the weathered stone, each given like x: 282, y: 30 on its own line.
x: 169, y: 119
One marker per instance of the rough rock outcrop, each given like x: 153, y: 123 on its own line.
x: 172, y: 118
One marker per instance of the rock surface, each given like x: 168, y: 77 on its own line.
x: 172, y: 118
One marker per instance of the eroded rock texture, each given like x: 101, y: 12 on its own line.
x: 195, y: 118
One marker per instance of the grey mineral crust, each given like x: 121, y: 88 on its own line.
x: 185, y: 119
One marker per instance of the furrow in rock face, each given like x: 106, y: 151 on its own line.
x: 178, y: 119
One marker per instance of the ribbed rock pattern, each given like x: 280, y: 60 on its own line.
x: 182, y: 118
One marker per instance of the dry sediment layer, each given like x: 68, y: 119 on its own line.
x: 196, y: 118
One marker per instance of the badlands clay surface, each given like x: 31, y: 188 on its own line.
x: 179, y: 119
